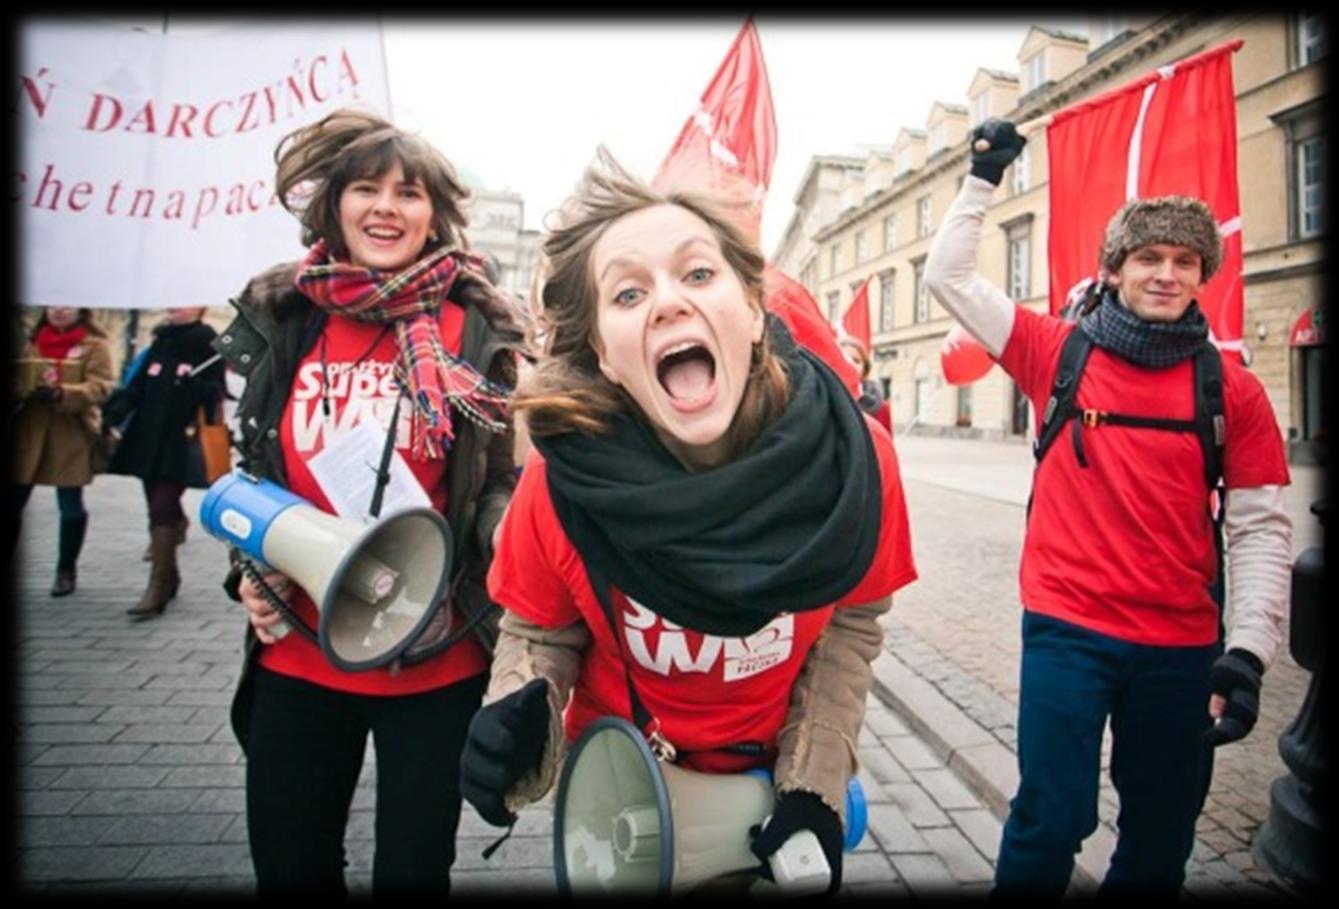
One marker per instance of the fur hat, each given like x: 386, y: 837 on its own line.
x: 1174, y: 220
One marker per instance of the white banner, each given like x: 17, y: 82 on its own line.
x: 146, y: 170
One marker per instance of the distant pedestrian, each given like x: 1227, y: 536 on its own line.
x: 158, y: 409
x: 871, y: 398
x: 56, y: 426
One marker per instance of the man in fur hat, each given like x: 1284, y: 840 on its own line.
x: 1120, y: 565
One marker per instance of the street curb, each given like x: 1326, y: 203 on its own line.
x: 968, y: 748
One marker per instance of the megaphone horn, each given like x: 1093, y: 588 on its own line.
x: 627, y: 823
x: 374, y: 585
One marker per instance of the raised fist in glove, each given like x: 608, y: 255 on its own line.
x: 1235, y: 704
x: 796, y: 811
x: 1001, y: 144
x: 505, y: 742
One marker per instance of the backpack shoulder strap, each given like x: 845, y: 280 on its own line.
x: 1210, y: 419
x: 1061, y: 408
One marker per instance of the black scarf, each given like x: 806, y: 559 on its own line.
x: 1154, y: 345
x: 790, y: 526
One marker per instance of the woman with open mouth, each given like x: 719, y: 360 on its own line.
x: 706, y: 534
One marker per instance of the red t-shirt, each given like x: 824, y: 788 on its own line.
x: 707, y: 691
x: 359, y: 359
x: 1125, y: 547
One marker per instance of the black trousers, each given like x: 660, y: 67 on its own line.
x: 305, y: 752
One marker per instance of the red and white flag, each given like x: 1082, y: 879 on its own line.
x: 856, y: 321
x: 1173, y: 131
x: 729, y: 143
x: 727, y: 148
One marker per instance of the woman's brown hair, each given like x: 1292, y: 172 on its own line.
x: 316, y: 162
x: 566, y: 391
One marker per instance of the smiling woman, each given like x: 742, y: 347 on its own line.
x: 707, y: 512
x: 387, y: 309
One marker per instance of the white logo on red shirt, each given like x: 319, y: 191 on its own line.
x: 739, y: 658
x: 356, y: 392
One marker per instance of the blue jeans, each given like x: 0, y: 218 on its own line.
x: 1157, y: 698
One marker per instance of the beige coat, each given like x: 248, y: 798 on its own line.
x: 53, y: 441
x: 816, y: 749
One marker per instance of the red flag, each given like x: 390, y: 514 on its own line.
x: 727, y: 148
x: 728, y: 144
x: 962, y: 358
x: 1173, y: 131
x: 856, y: 320
x: 796, y: 307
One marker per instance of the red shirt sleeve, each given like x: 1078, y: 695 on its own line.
x: 1253, y: 454
x: 1032, y: 353
x: 894, y: 566
x: 528, y: 574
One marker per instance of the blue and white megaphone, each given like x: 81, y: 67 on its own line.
x: 626, y: 823
x: 375, y: 584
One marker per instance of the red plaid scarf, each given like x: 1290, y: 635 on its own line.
x: 412, y: 298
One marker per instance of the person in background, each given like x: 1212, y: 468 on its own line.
x: 56, y: 428
x: 158, y: 410
x: 871, y: 398
x: 388, y: 313
x: 701, y: 485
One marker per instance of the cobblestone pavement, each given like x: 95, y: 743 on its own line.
x: 958, y: 629
x: 129, y: 780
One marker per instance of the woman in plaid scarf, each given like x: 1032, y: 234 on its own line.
x: 390, y: 322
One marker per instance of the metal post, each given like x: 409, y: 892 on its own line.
x: 1290, y: 842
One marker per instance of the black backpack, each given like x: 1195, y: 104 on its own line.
x: 1208, y: 424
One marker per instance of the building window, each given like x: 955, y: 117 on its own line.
x: 886, y: 301
x: 1018, y: 412
x: 936, y: 138
x: 923, y: 225
x: 1018, y: 283
x: 964, y: 405
x: 922, y: 313
x: 888, y: 233
x: 859, y: 247
x: 981, y: 107
x: 1310, y: 38
x: 834, y: 305
x: 807, y: 277
x: 1034, y: 71
x: 904, y: 161
x: 1310, y: 187
x: 1022, y: 177
x: 834, y: 261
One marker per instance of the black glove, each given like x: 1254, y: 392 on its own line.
x: 793, y: 812
x: 505, y: 742
x: 1235, y: 676
x: 1005, y: 145
x: 46, y: 393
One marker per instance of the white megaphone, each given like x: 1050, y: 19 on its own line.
x: 626, y: 823
x: 374, y: 585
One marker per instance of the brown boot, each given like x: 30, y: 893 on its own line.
x: 164, y: 579
x: 181, y: 538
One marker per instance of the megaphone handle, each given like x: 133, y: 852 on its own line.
x: 279, y: 629
x: 799, y: 866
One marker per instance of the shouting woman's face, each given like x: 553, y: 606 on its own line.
x: 675, y: 327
